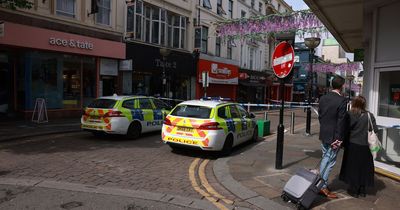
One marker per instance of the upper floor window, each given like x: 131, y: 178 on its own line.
x: 243, y: 14
x: 230, y: 9
x: 103, y: 15
x: 220, y: 9
x: 279, y: 7
x: 252, y: 3
x: 204, y: 39
x: 260, y: 6
x: 66, y: 8
x: 207, y: 4
x: 218, y: 46
x: 155, y: 25
x: 229, y: 51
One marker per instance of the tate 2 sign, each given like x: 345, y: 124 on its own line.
x: 283, y: 59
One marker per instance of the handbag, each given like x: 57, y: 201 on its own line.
x: 373, y: 141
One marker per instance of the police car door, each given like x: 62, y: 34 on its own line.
x: 235, y: 115
x: 146, y: 108
x: 247, y: 124
x: 160, y: 111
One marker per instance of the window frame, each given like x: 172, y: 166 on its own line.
x: 142, y: 99
x: 230, y: 9
x: 218, y: 46
x: 207, y: 4
x: 204, y: 39
x: 64, y: 13
x: 101, y: 7
x: 233, y: 106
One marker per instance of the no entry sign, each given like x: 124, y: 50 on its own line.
x: 283, y: 59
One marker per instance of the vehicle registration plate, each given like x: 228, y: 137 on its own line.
x: 185, y: 129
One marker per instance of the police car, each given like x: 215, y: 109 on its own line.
x: 126, y: 115
x: 209, y: 125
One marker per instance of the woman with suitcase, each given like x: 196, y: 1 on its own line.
x: 357, y: 168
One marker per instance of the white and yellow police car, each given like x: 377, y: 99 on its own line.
x: 126, y: 115
x: 209, y: 125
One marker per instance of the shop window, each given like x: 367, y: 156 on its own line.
x: 66, y: 8
x: 389, y: 94
x: 89, y: 80
x: 103, y: 15
x: 71, y: 82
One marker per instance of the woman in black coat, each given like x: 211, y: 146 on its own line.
x: 357, y: 168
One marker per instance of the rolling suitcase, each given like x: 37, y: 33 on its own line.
x: 303, y: 187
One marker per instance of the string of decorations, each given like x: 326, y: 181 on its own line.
x: 299, y: 22
x: 332, y: 67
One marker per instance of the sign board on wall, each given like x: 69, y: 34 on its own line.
x: 108, y: 67
x: 219, y: 73
x: 125, y: 65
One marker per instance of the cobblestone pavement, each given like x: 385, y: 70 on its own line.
x: 144, y: 164
x: 18, y: 197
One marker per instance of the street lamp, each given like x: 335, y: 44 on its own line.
x: 311, y: 43
x: 350, y: 78
x: 164, y: 52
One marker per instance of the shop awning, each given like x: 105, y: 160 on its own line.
x: 343, y: 18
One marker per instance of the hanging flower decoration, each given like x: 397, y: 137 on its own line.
x: 332, y: 67
x: 300, y: 22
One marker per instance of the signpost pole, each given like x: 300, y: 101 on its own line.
x: 283, y: 59
x: 281, y: 128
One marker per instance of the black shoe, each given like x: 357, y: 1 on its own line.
x: 352, y: 193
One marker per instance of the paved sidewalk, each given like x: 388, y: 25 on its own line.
x: 251, y: 175
x: 11, y: 130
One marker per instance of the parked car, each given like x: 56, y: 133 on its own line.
x: 209, y: 125
x: 126, y: 115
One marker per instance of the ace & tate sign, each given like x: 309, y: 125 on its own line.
x: 72, y: 43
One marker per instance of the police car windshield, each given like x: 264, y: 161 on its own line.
x: 192, y: 111
x: 102, y: 104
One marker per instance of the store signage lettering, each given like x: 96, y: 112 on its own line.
x: 160, y: 63
x: 71, y: 43
x: 216, y: 70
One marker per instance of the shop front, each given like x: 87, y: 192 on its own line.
x: 223, y: 77
x: 252, y: 86
x: 171, y: 75
x: 62, y: 68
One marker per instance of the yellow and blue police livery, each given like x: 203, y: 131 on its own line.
x: 126, y: 115
x: 209, y: 125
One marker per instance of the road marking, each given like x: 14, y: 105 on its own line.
x: 207, y: 185
x: 196, y: 186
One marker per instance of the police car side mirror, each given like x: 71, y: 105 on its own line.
x: 252, y: 115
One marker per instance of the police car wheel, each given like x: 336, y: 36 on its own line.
x: 255, y: 135
x: 227, y: 148
x: 134, y: 130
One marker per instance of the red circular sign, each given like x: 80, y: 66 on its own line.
x: 283, y: 59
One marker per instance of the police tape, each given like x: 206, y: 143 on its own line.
x: 293, y: 102
x: 274, y: 105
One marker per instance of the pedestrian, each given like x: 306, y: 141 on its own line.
x: 358, y: 165
x: 333, y: 121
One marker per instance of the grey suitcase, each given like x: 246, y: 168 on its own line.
x: 302, y: 188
